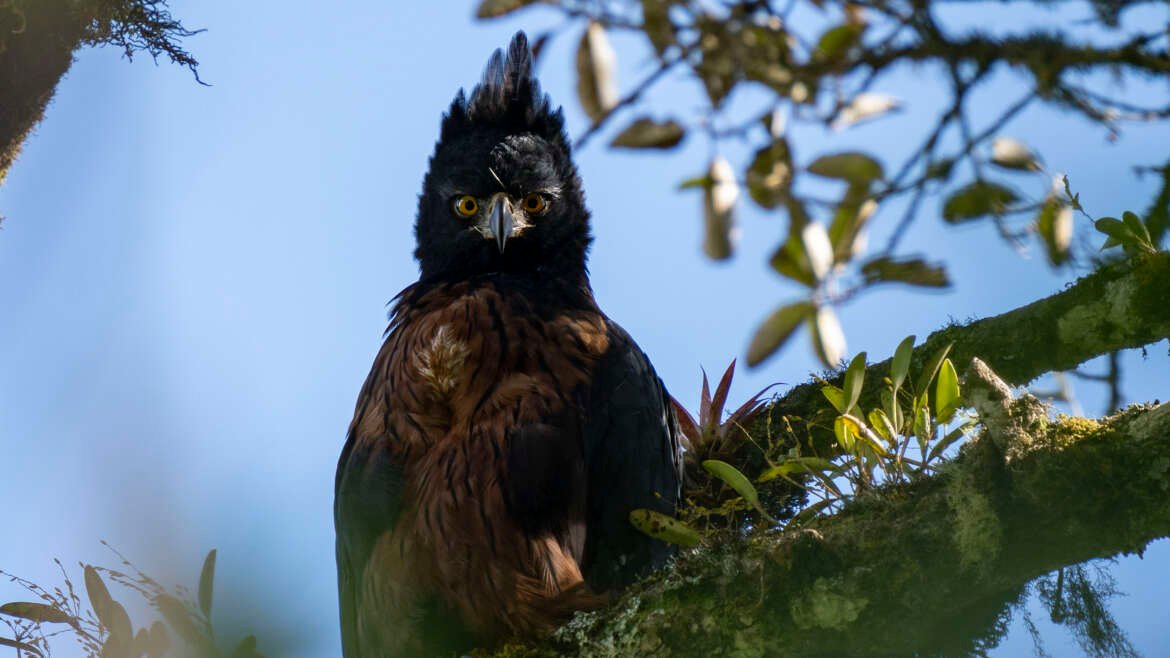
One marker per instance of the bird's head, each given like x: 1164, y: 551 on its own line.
x: 502, y: 193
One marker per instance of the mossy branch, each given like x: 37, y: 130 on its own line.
x: 919, y: 570
x: 1120, y: 306
x: 37, y: 42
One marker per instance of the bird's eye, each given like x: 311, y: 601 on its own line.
x: 534, y: 203
x: 466, y: 205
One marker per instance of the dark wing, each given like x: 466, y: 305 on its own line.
x: 366, y: 501
x: 633, y: 460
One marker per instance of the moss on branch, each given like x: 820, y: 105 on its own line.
x: 922, y: 569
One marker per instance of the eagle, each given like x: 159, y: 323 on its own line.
x: 507, y: 427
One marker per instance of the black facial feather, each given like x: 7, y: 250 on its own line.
x: 503, y: 137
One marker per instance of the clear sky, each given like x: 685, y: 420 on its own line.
x: 193, y: 284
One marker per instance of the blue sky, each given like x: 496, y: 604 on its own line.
x: 193, y: 282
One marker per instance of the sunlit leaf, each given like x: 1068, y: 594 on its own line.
x: 854, y: 380
x: 913, y: 271
x: 791, y: 262
x: 827, y: 336
x: 663, y: 527
x: 797, y: 465
x: 835, y: 396
x: 882, y: 424
x: 596, y: 77
x: 946, y: 392
x: 1137, y: 227
x: 901, y: 364
x: 734, y: 479
x: 817, y: 249
x: 718, y: 210
x: 495, y: 8
x: 846, y: 433
x: 1013, y: 154
x: 863, y: 107
x: 977, y: 200
x: 776, y: 330
x: 646, y: 133
x: 207, y: 583
x: 850, y: 166
x: 837, y: 41
x: 1054, y: 224
x: 38, y: 612
x: 922, y: 384
x: 849, y: 219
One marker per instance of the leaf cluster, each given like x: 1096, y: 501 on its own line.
x: 103, y: 628
x: 827, y: 69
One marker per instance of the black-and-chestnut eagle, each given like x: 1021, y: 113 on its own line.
x: 508, y: 427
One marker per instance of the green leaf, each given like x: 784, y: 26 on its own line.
x: 663, y: 527
x: 736, y: 480
x: 849, y: 218
x: 38, y: 612
x: 797, y: 465
x: 497, y: 8
x: 1136, y: 226
x: 846, y: 433
x: 596, y: 80
x: 646, y: 133
x: 1054, y: 224
x: 854, y: 379
x: 109, y: 612
x: 946, y: 392
x: 657, y: 26
x: 837, y: 41
x: 206, y: 583
x: 770, y: 174
x: 913, y: 271
x: 977, y: 200
x: 881, y: 424
x: 947, y: 441
x: 850, y: 166
x: 931, y: 369
x: 901, y: 364
x: 776, y: 330
x: 810, y: 511
x: 701, y: 182
x: 790, y: 261
x: 835, y: 396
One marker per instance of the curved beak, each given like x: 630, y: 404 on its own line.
x: 500, y: 220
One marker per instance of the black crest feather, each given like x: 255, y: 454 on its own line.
x: 508, y: 97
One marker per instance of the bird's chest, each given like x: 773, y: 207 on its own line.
x: 481, y: 364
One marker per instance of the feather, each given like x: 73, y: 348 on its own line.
x: 509, y: 96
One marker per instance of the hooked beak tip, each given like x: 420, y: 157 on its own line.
x: 501, y: 223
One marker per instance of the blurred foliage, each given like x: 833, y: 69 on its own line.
x: 101, y: 626
x: 825, y: 62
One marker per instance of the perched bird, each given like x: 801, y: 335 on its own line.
x: 507, y: 427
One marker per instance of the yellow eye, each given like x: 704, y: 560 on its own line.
x: 466, y: 205
x: 534, y: 203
